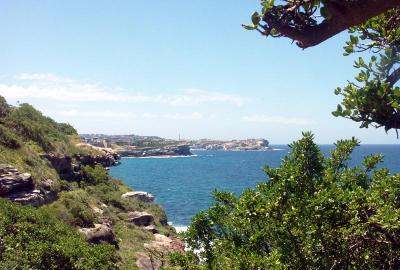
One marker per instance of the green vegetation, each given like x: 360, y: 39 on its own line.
x: 74, y: 208
x: 94, y: 175
x: 47, y: 238
x: 313, y: 213
x: 374, y: 100
x: 34, y: 239
x: 374, y: 27
x: 32, y: 126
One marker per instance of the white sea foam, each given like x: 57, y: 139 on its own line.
x: 181, y: 228
x: 178, y: 228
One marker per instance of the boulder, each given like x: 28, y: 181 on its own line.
x: 34, y: 197
x: 19, y: 187
x: 151, y: 228
x: 145, y: 262
x: 100, y: 233
x: 140, y: 218
x: 140, y: 195
x: 165, y: 244
x: 47, y: 184
x: 156, y: 251
x: 11, y: 181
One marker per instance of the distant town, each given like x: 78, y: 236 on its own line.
x: 136, y: 145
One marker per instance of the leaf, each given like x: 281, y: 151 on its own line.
x: 325, y: 12
x: 255, y: 18
x: 249, y: 26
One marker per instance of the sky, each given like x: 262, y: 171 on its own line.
x: 172, y: 67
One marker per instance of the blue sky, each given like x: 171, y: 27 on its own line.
x: 169, y: 67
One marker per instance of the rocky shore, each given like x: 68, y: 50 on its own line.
x: 20, y: 187
x: 179, y: 150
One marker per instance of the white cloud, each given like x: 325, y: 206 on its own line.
x: 267, y: 119
x: 175, y: 116
x: 129, y: 115
x: 97, y: 114
x: 53, y: 87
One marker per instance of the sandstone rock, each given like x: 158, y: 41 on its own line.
x: 100, y: 233
x: 145, y: 262
x: 34, y: 197
x: 64, y: 166
x: 140, y: 218
x: 19, y: 187
x: 166, y: 244
x: 151, y: 228
x: 106, y: 160
x: 97, y: 210
x: 12, y: 181
x: 140, y: 195
x: 174, y: 150
x: 47, y: 184
x: 156, y: 250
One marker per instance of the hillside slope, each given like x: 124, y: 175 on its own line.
x: 83, y: 219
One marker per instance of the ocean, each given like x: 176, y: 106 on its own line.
x: 183, y: 185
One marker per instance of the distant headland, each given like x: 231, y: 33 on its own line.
x: 146, y: 146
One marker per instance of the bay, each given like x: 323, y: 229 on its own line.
x: 183, y: 185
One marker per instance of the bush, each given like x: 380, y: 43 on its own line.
x: 9, y: 139
x: 74, y: 208
x: 4, y: 107
x: 94, y: 175
x: 33, y: 239
x: 32, y: 125
x: 312, y: 213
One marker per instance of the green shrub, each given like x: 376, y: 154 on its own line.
x: 94, y: 175
x: 9, y: 139
x: 74, y: 208
x: 312, y: 213
x: 32, y: 125
x: 4, y: 107
x: 33, y: 239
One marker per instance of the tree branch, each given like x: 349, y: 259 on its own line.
x: 345, y: 14
x: 394, y: 77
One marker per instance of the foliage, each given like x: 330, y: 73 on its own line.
x: 94, y: 175
x: 74, y: 208
x: 374, y: 26
x: 9, y: 139
x: 313, y: 213
x: 375, y: 101
x: 4, y: 107
x: 30, y: 124
x: 33, y: 239
x: 310, y: 22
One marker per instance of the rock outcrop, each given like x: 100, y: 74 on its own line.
x: 140, y: 218
x: 69, y: 167
x: 176, y: 150
x: 100, y: 233
x: 65, y: 167
x: 12, y: 181
x: 19, y: 187
x: 154, y: 258
x: 106, y: 160
x: 139, y: 195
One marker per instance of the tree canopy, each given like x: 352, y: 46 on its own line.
x: 312, y: 213
x: 373, y: 25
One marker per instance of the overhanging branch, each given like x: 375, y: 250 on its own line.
x: 344, y: 14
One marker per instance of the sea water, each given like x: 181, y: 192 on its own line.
x: 183, y: 185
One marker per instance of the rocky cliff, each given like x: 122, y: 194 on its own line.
x: 178, y: 150
x: 42, y: 164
